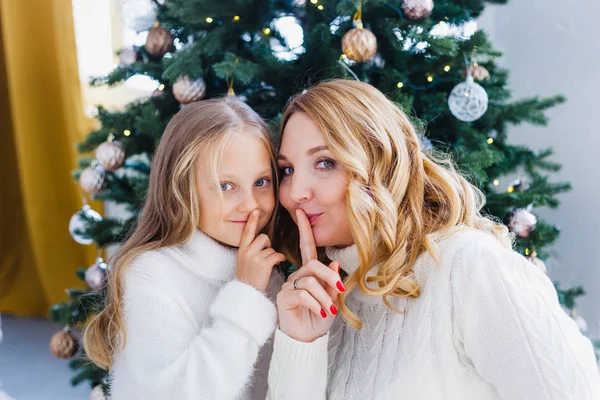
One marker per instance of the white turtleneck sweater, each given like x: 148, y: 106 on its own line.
x: 487, y: 326
x: 192, y: 330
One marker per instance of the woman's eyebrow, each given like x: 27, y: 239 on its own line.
x: 310, y: 152
x: 316, y: 150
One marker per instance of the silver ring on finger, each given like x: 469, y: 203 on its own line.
x: 296, y: 283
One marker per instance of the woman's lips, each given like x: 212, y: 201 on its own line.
x: 313, y: 218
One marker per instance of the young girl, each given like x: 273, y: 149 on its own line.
x: 186, y: 313
x: 437, y: 305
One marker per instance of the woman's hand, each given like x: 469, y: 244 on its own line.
x: 307, y: 302
x: 256, y: 258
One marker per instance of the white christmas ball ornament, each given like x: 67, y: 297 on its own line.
x: 78, y: 222
x: 581, y: 323
x: 426, y: 144
x: 468, y: 101
x: 138, y: 15
x: 97, y: 393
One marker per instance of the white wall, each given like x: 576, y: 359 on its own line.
x: 551, y: 47
x: 100, y: 33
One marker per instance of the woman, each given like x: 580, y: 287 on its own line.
x: 437, y: 305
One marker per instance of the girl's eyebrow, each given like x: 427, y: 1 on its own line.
x: 267, y: 171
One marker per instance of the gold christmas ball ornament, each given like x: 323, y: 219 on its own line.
x: 417, y: 9
x: 64, y: 344
x: 478, y: 72
x: 187, y: 91
x: 359, y: 44
x: 111, y: 155
x: 91, y: 179
x: 159, y: 41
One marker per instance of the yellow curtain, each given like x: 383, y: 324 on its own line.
x: 41, y: 119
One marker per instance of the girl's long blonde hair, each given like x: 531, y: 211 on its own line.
x: 400, y: 199
x: 171, y: 212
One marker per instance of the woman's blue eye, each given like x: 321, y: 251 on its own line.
x: 226, y: 186
x: 325, y: 164
x: 287, y: 171
x: 261, y: 182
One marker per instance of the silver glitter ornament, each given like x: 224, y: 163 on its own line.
x: 522, y: 222
x: 417, y: 9
x: 110, y: 155
x: 91, y: 179
x: 95, y: 275
x: 187, y: 91
x: 127, y: 57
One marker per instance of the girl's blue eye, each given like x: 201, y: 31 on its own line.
x: 261, y: 182
x: 226, y: 186
x: 324, y: 164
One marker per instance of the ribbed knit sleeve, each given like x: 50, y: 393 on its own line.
x: 170, y: 355
x: 298, y: 370
x: 515, y: 332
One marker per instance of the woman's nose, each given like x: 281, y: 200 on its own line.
x: 300, y: 190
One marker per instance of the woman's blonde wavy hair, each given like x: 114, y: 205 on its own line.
x: 400, y: 199
x: 171, y: 212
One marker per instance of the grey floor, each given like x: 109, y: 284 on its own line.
x: 27, y: 369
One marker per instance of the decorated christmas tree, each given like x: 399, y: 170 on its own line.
x: 429, y: 58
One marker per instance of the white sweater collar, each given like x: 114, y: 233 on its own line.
x: 347, y: 257
x: 207, y: 257
x: 349, y: 262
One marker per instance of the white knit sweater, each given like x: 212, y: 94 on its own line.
x: 487, y: 326
x: 192, y: 331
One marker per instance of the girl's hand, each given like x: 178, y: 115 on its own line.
x: 256, y: 258
x: 307, y: 302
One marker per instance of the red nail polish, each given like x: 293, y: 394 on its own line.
x: 323, y: 313
x: 333, y: 309
x: 340, y: 286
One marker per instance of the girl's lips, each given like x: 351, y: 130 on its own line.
x: 312, y: 218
